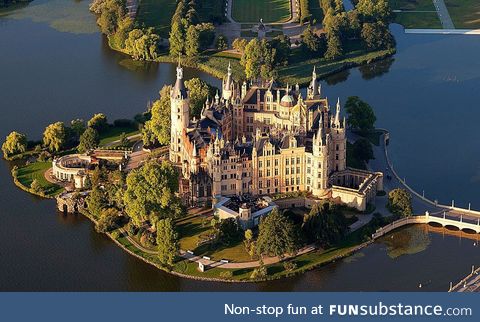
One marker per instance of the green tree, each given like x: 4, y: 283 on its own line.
x: 229, y: 232
x: 192, y: 43
x: 277, y: 235
x: 142, y: 44
x: 88, y: 140
x: 374, y: 10
x: 362, y: 148
x: 98, y: 122
x: 221, y: 43
x: 334, y: 47
x: 325, y: 224
x: 108, y: 220
x: 77, y: 127
x: 14, y: 143
x: 377, y: 36
x: 150, y: 193
x: 310, y: 41
x: 96, y: 201
x: 239, y: 44
x: 177, y: 38
x: 400, y: 202
x: 157, y: 129
x: 54, y: 137
x: 198, y: 91
x: 360, y: 115
x: 167, y: 241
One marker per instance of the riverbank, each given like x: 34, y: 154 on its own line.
x: 186, y: 268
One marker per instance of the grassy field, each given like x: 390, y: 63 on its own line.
x: 465, y: 13
x: 157, y: 14
x: 114, y: 134
x: 36, y: 170
x: 422, y: 20
x: 191, y: 228
x: 417, y: 5
x: 254, y: 10
x: 300, y: 68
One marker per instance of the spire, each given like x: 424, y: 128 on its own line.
x: 337, y: 114
x: 194, y: 153
x: 179, y: 90
x: 229, y: 69
x: 217, y: 98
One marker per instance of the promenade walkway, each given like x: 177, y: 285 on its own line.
x: 443, y: 14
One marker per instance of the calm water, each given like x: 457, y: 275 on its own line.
x: 55, y: 66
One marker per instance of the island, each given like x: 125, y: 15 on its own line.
x: 258, y: 182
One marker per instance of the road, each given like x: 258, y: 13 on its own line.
x: 443, y: 14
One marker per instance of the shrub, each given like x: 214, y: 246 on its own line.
x: 290, y: 266
x: 259, y: 273
x: 226, y: 274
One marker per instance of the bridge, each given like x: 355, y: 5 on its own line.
x: 471, y: 283
x: 445, y: 219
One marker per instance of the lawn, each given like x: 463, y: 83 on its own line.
x: 114, y: 133
x: 465, y: 13
x: 421, y: 20
x: 36, y: 170
x: 418, y: 20
x: 417, y: 5
x: 192, y: 227
x: 300, y: 67
x: 157, y: 14
x: 254, y: 10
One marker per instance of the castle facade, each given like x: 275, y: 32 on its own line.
x: 263, y: 139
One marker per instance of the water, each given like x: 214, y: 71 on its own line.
x: 55, y: 66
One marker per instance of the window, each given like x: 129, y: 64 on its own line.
x: 260, y: 164
x: 336, y: 147
x: 233, y: 186
x: 287, y: 171
x: 309, y: 161
x: 287, y: 161
x: 276, y: 162
x: 224, y: 187
x: 298, y: 180
x: 268, y: 183
x: 308, y: 170
x: 293, y: 161
x: 298, y: 160
x: 298, y: 170
x: 268, y: 173
x: 336, y: 156
x: 268, y: 162
x: 260, y: 184
x: 287, y: 182
x: 260, y: 174
x: 308, y: 180
x: 276, y: 172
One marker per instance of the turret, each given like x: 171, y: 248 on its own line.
x: 313, y: 90
x: 337, y: 114
x: 180, y: 116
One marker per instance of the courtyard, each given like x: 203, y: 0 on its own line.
x: 253, y: 10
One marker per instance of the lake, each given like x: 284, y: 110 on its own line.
x: 55, y: 66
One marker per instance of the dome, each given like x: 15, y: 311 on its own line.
x: 287, y: 100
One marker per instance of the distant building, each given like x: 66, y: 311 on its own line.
x: 263, y: 139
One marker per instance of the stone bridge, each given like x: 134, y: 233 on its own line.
x: 462, y: 223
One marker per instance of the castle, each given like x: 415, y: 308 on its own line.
x: 262, y: 139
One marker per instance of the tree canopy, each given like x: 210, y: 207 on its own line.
x: 88, y: 140
x: 277, y: 235
x: 360, y: 114
x: 14, y: 143
x: 325, y: 224
x: 98, y: 122
x: 362, y: 148
x: 54, y: 137
x: 167, y: 241
x: 157, y: 129
x: 150, y: 194
x: 198, y: 91
x: 400, y: 202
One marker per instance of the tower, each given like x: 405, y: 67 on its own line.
x: 180, y: 117
x: 314, y: 89
x: 227, y: 85
x: 338, y: 149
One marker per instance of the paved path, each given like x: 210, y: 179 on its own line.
x: 443, y: 14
